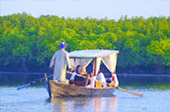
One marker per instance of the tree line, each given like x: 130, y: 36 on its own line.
x: 28, y: 43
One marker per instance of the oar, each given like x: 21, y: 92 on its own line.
x: 33, y: 82
x: 119, y: 88
x: 125, y: 90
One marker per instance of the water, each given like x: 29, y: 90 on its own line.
x: 156, y: 91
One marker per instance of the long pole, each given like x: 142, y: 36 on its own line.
x: 33, y: 82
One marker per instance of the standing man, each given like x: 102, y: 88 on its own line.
x: 60, y: 61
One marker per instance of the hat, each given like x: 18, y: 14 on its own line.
x: 62, y: 45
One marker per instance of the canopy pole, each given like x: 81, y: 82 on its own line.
x: 114, y: 72
x: 75, y: 63
x: 116, y: 60
x: 94, y: 67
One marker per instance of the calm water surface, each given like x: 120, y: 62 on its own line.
x: 156, y: 91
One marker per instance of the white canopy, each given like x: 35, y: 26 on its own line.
x: 84, y: 57
x: 91, y: 53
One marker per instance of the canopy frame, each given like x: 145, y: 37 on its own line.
x: 97, y: 56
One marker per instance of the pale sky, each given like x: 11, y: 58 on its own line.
x: 111, y: 9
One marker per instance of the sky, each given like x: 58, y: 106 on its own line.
x: 110, y: 9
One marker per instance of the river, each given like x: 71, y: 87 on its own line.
x: 156, y: 91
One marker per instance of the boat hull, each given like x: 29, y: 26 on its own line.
x: 59, y: 89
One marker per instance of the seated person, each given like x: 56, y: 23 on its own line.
x: 98, y: 81
x: 77, y: 71
x: 100, y: 77
x: 113, y: 81
x: 78, y: 80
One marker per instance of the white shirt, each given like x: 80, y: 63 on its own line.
x: 60, y: 60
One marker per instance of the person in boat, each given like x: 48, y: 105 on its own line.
x: 113, y: 81
x: 60, y: 61
x: 100, y: 77
x: 81, y: 80
x: 77, y: 71
x: 98, y: 81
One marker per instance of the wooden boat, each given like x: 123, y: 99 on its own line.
x: 60, y: 89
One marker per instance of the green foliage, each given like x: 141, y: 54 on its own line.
x: 159, y: 52
x: 29, y: 43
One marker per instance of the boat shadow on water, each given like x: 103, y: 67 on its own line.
x: 64, y: 104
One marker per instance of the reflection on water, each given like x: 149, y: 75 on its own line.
x: 88, y: 104
x: 34, y: 99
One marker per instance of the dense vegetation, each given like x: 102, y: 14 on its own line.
x: 28, y: 43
